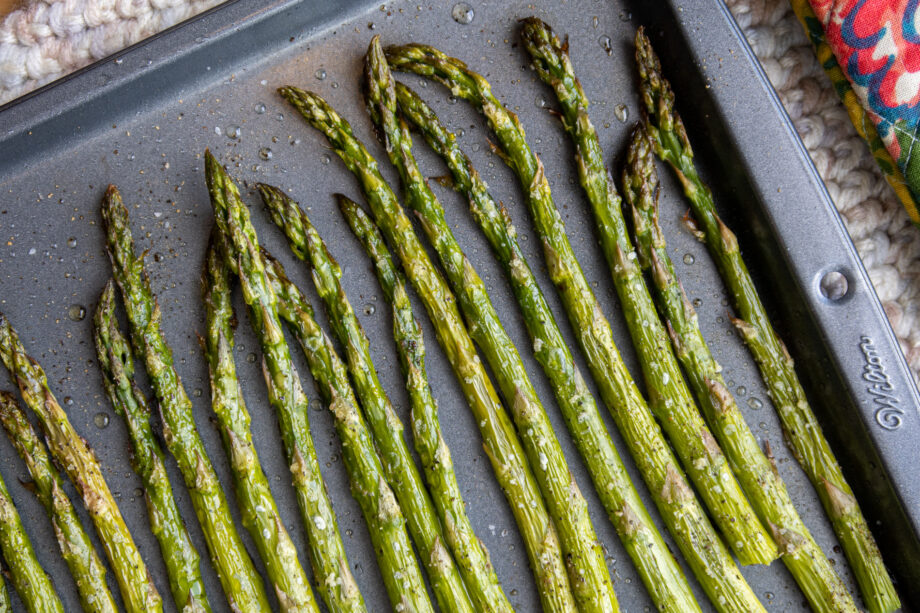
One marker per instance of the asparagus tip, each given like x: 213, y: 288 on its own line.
x: 640, y: 179
x: 644, y: 53
x: 111, y: 203
x: 212, y: 167
x: 375, y: 48
x: 107, y: 297
x: 536, y: 34
x: 638, y: 144
x: 268, y: 191
x: 347, y: 205
x: 292, y: 93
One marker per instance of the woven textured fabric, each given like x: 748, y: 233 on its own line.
x: 48, y: 39
x: 888, y: 243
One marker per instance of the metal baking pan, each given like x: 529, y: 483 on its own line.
x: 142, y: 120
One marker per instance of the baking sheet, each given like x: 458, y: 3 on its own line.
x: 143, y: 119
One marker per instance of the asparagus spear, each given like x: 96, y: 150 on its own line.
x: 386, y: 524
x: 74, y: 456
x: 657, y: 567
x: 470, y: 553
x: 669, y: 397
x: 26, y: 574
x: 590, y: 579
x: 179, y: 553
x: 5, y: 605
x: 327, y: 551
x: 241, y: 582
x: 801, y: 427
x: 702, y: 548
x: 500, y: 440
x: 76, y: 548
x: 385, y: 426
x: 759, y: 477
x: 258, y: 509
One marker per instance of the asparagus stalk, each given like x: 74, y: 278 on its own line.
x: 470, y: 553
x: 79, y: 462
x: 590, y: 579
x: 657, y: 567
x: 759, y: 477
x: 402, y: 575
x: 801, y: 427
x: 241, y: 582
x: 5, y: 605
x: 719, y: 576
x: 258, y: 509
x: 703, y: 550
x: 504, y: 449
x: 26, y: 574
x: 335, y: 582
x: 386, y: 428
x: 179, y: 553
x: 669, y: 396
x: 76, y: 547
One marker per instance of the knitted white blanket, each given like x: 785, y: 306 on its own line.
x: 49, y: 38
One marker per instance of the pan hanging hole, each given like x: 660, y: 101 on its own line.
x: 834, y: 285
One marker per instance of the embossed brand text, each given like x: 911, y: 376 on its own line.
x: 888, y: 414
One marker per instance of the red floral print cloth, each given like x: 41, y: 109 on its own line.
x: 876, y: 46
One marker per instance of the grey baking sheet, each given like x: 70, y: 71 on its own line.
x: 143, y: 119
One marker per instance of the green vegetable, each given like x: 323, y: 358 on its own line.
x: 258, y: 509
x: 669, y: 396
x: 703, y: 550
x: 335, y: 582
x: 5, y: 605
x: 402, y: 575
x: 73, y: 455
x: 759, y: 477
x: 590, y: 579
x: 801, y: 427
x: 386, y: 428
x: 657, y: 567
x: 468, y: 550
x: 242, y: 584
x: 25, y: 573
x: 179, y: 553
x: 76, y: 547
x: 508, y: 459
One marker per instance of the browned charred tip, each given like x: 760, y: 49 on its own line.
x: 789, y: 361
x: 729, y: 240
x: 691, y: 225
x: 748, y: 332
x: 443, y: 180
x: 675, y: 338
x: 710, y: 443
x: 675, y: 488
x: 841, y: 502
x: 720, y: 393
x: 768, y: 451
x: 660, y: 272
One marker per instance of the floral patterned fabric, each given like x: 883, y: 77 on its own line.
x: 870, y: 49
